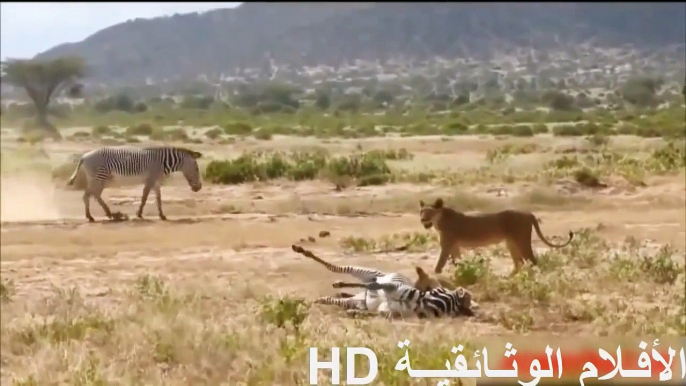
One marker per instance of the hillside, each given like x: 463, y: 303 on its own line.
x: 224, y: 40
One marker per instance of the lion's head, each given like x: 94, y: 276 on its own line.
x: 426, y: 282
x: 430, y: 214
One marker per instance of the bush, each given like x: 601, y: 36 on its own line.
x: 470, y: 271
x: 641, y: 91
x: 213, y: 133
x: 522, y: 131
x: 268, y: 107
x: 99, y: 131
x: 456, y: 128
x: 121, y: 102
x: 578, y: 130
x: 540, y: 128
x: 140, y: 107
x: 515, y: 130
x: 160, y: 134
x: 323, y: 100
x: 358, y: 166
x: 142, y: 129
x: 365, y: 168
x: 587, y: 177
x: 194, y: 102
x: 263, y: 135
x: 237, y: 128
x: 558, y: 100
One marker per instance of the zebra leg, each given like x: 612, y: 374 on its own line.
x: 96, y: 192
x: 346, y: 303
x: 87, y: 205
x: 158, y: 200
x: 144, y: 198
x: 151, y: 181
x: 87, y: 192
x: 360, y: 273
x: 340, y: 284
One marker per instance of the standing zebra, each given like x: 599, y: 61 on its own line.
x: 152, y: 164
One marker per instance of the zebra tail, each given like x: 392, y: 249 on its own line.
x: 73, y: 176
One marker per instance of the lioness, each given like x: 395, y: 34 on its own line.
x: 457, y: 229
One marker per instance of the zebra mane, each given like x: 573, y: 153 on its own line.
x: 190, y: 152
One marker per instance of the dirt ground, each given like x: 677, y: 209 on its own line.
x: 228, y: 243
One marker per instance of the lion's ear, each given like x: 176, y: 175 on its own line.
x: 421, y: 273
x: 421, y: 203
x: 439, y: 203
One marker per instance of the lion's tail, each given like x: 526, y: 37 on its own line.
x: 548, y: 243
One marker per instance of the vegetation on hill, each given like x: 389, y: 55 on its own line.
x: 219, y: 41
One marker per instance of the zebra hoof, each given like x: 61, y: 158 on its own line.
x: 338, y: 284
x: 119, y: 216
x: 163, y: 218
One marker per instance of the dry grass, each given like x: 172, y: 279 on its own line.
x: 215, y: 296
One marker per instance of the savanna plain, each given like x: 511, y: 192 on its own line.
x: 215, y: 295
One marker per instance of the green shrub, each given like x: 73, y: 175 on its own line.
x: 365, y: 168
x: 263, y: 135
x: 568, y: 131
x: 540, y: 128
x: 237, y: 128
x: 100, y: 131
x: 213, y: 133
x: 456, y: 128
x: 142, y: 129
x: 522, y: 131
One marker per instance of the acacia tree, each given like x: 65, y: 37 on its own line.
x: 43, y: 80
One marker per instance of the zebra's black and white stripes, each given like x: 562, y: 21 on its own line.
x: 368, y: 300
x: 152, y: 164
x: 437, y: 302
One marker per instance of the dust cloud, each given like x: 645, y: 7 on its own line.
x: 28, y: 198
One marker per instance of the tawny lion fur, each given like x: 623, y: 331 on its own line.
x: 457, y: 230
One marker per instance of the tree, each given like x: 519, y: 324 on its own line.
x: 558, y: 100
x: 641, y: 91
x: 323, y: 100
x: 43, y: 80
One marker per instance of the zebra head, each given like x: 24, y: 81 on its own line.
x: 190, y: 169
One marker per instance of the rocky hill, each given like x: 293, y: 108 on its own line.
x: 225, y: 41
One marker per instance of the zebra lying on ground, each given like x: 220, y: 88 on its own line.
x: 437, y: 302
x: 152, y: 164
x: 375, y: 300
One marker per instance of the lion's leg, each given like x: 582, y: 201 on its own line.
x: 446, y: 250
x: 528, y: 252
x: 516, y: 255
x: 455, y: 254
